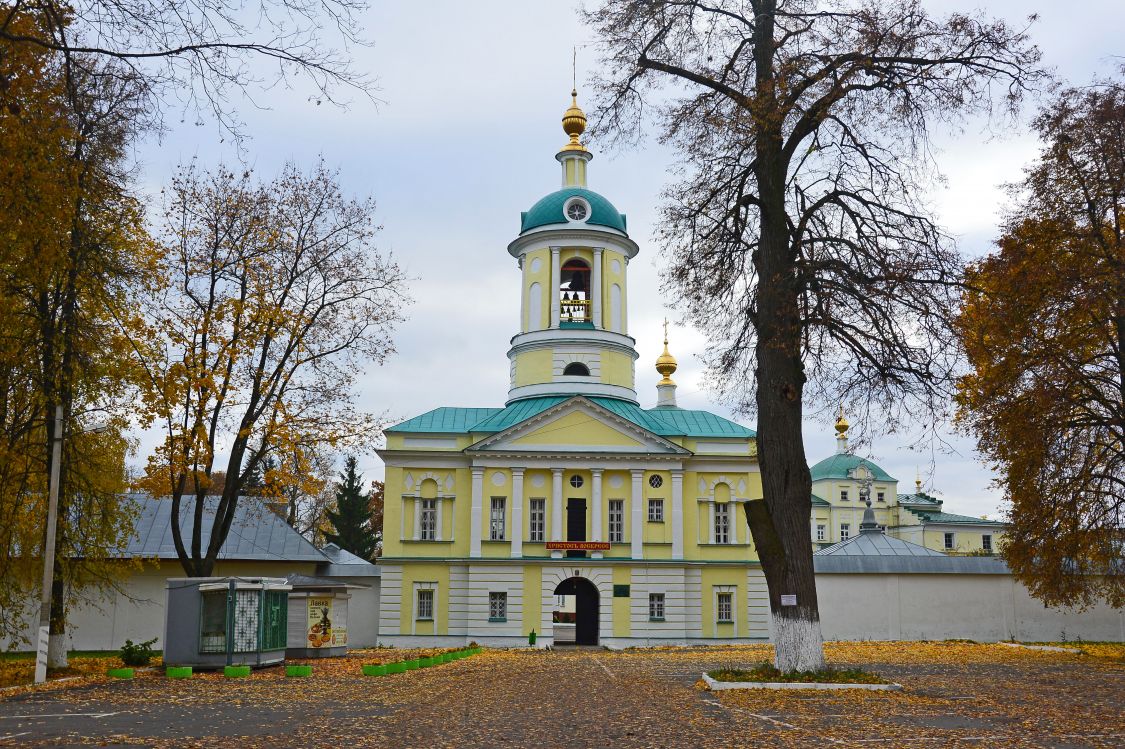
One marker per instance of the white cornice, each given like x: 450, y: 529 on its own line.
x: 567, y: 236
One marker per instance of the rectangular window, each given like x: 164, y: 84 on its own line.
x: 725, y: 608
x: 616, y: 521
x: 845, y: 531
x: 843, y: 495
x: 880, y: 497
x: 538, y: 520
x: 656, y: 607
x: 949, y: 541
x: 821, y: 532
x: 213, y: 622
x: 986, y: 542
x: 425, y: 604
x: 428, y: 520
x: 496, y: 523
x: 722, y: 523
x: 497, y: 607
x: 656, y: 511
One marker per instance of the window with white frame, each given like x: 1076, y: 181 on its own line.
x: 821, y: 532
x: 722, y: 522
x: 616, y: 521
x: 537, y: 521
x: 845, y: 531
x: 843, y: 495
x: 425, y: 605
x: 950, y: 541
x: 986, y: 541
x: 427, y: 520
x: 497, y: 606
x: 880, y: 496
x: 724, y: 607
x: 496, y: 520
x: 656, y: 607
x: 656, y: 511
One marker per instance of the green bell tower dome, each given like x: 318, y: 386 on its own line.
x: 573, y: 250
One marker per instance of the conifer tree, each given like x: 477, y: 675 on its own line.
x: 352, y: 517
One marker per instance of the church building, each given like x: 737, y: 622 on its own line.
x: 574, y: 510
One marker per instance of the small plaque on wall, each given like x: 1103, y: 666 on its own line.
x: 620, y: 591
x: 788, y: 600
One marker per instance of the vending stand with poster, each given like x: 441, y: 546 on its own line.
x: 318, y: 617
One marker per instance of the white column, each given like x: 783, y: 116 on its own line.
x: 596, y: 283
x: 596, y: 507
x: 556, y: 508
x: 677, y: 514
x: 556, y: 281
x: 517, y: 512
x: 637, y: 531
x: 475, y: 512
x: 417, y: 517
x: 439, y: 509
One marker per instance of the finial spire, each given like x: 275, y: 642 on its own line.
x: 841, y: 432
x: 917, y: 480
x: 574, y: 124
x: 666, y: 366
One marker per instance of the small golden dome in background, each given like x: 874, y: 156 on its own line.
x: 574, y: 123
x: 841, y: 423
x: 666, y: 363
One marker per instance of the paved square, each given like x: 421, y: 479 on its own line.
x: 955, y: 695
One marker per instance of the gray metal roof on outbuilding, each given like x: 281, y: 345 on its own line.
x: 256, y: 533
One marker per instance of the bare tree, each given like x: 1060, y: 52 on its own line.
x: 798, y: 236
x: 201, y: 52
x: 274, y: 302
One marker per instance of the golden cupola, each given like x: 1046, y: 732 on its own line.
x: 574, y: 124
x: 666, y: 366
x: 841, y: 433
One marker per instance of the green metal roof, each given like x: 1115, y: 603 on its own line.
x: 951, y: 518
x: 818, y: 502
x: 920, y: 498
x: 549, y: 210
x: 447, y: 419
x: 837, y: 467
x: 666, y: 422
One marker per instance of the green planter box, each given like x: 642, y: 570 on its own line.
x: 236, y: 672
x: 461, y: 654
x: 396, y: 668
x: 375, y: 669
x: 446, y: 657
x: 120, y: 673
x: 411, y: 665
x: 425, y: 662
x: 298, y: 671
x: 178, y: 672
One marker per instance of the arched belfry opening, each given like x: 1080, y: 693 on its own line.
x: 577, y: 605
x: 576, y: 369
x: 574, y: 292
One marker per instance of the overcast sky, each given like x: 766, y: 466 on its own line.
x: 465, y: 139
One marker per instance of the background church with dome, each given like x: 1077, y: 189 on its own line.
x: 576, y: 511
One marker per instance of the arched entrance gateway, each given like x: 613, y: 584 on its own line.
x: 577, y: 601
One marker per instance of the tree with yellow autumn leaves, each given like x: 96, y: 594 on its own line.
x: 74, y: 250
x: 1043, y: 327
x: 271, y: 302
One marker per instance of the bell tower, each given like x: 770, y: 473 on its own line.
x: 573, y: 250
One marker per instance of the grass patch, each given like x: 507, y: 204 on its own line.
x: 769, y: 673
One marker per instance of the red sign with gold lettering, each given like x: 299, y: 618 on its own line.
x: 577, y: 546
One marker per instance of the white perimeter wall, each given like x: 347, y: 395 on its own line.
x: 986, y: 608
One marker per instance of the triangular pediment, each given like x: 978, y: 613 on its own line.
x: 577, y: 425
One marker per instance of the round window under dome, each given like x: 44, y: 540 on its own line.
x: 577, y: 209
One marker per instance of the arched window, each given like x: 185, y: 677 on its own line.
x: 576, y: 369
x: 574, y: 292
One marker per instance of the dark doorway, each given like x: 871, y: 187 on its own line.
x: 576, y: 523
x: 587, y: 608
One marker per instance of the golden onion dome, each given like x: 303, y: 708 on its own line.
x: 841, y: 423
x: 574, y: 123
x: 666, y: 363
